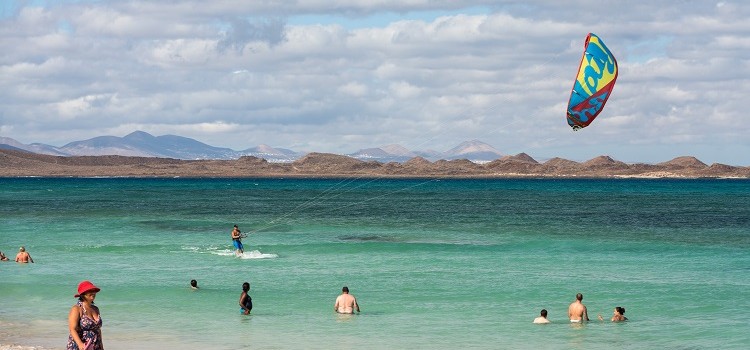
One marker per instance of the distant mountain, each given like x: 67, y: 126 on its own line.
x: 272, y: 155
x: 385, y: 154
x: 9, y: 143
x: 143, y: 144
x: 12, y: 148
x: 34, y: 147
x: 475, y: 151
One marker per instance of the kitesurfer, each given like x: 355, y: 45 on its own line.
x: 237, y: 241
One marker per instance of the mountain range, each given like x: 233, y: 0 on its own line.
x: 143, y: 144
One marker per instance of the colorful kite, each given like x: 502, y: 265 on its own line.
x: 594, y: 83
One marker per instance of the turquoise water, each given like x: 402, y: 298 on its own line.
x: 433, y: 263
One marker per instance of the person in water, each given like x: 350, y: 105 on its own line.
x: 246, y: 302
x: 85, y: 321
x: 193, y: 284
x: 23, y: 256
x: 3, y: 257
x: 237, y: 241
x: 542, y: 317
x: 346, y: 303
x: 618, y: 315
x: 577, y: 312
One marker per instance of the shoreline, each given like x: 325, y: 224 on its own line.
x: 392, y: 177
x: 320, y: 165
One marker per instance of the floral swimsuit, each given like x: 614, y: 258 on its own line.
x: 88, y: 330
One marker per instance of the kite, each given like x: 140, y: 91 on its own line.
x: 594, y: 83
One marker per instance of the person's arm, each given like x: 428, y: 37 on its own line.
x: 356, y: 305
x: 99, y: 315
x: 30, y: 259
x: 73, y: 318
x: 336, y: 305
x: 586, y: 314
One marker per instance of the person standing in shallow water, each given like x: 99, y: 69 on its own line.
x: 85, y: 321
x: 246, y: 302
x: 577, y: 312
x: 618, y: 315
x: 542, y: 317
x: 346, y: 303
x: 23, y: 256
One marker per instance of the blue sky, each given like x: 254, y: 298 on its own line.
x: 338, y: 76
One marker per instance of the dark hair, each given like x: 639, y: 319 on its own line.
x: 193, y: 283
x: 579, y: 296
x: 620, y: 309
x: 245, y: 287
x: 544, y: 313
x: 345, y: 289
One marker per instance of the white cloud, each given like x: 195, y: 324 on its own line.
x: 432, y: 77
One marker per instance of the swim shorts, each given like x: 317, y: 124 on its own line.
x: 237, y: 244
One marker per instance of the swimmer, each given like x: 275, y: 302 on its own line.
x: 618, y: 315
x: 23, y: 256
x: 246, y: 302
x: 577, y: 312
x: 346, y: 303
x: 193, y: 284
x: 542, y: 317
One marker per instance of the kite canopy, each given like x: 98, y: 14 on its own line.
x: 594, y: 83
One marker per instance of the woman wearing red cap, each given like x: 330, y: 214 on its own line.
x: 84, y: 320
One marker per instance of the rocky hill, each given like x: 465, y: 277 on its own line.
x: 17, y: 163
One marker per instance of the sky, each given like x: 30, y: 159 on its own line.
x: 338, y: 76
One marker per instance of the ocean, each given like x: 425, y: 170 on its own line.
x: 434, y: 264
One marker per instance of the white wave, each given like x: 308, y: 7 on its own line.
x: 255, y: 254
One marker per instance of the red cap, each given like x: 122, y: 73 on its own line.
x: 85, y: 287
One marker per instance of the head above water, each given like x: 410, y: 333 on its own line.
x: 193, y: 283
x: 620, y: 310
x: 245, y: 287
x: 543, y: 313
x: 579, y: 297
x: 22, y: 249
x: 345, y: 289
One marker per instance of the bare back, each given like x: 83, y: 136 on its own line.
x: 577, y: 312
x: 346, y: 304
x: 23, y: 257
